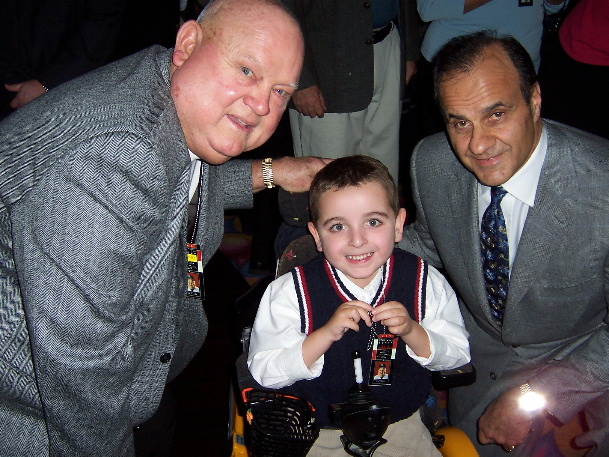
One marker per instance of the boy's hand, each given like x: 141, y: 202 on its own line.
x: 395, y: 317
x: 347, y: 317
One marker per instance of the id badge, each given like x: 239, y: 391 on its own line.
x: 194, y: 257
x: 384, y: 350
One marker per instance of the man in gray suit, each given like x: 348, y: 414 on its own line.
x: 95, y: 314
x: 550, y: 334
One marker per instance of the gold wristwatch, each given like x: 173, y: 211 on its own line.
x: 530, y: 400
x: 267, y: 173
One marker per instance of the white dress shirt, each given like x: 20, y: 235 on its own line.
x: 521, y: 190
x: 275, y: 355
x: 195, y: 174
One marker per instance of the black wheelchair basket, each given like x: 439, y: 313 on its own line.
x: 280, y: 424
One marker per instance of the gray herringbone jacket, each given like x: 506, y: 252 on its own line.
x: 93, y: 197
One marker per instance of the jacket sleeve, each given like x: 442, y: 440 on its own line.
x: 236, y: 180
x: 581, y: 377
x: 417, y: 238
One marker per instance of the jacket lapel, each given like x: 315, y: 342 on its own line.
x: 544, y: 229
x: 464, y: 205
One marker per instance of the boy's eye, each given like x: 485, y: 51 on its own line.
x: 337, y: 227
x: 374, y: 222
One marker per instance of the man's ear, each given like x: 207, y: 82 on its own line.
x: 399, y: 225
x: 536, y: 101
x: 187, y: 39
x: 315, y: 234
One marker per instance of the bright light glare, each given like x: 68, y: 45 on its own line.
x: 531, y: 401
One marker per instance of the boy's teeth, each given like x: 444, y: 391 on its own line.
x: 359, y: 257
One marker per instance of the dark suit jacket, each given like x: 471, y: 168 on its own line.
x: 339, y: 55
x: 555, y: 333
x: 54, y: 42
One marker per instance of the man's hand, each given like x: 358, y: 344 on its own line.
x: 26, y: 92
x: 310, y: 102
x: 504, y: 422
x: 295, y: 174
x: 411, y: 69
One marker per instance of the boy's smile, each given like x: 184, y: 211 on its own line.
x: 357, y: 230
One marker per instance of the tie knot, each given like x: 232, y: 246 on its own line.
x: 497, y: 194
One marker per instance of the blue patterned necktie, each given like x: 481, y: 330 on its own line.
x: 495, y: 254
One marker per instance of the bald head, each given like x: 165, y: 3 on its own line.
x: 234, y: 71
x: 217, y: 11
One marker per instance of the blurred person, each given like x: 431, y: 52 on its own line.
x: 46, y: 43
x: 358, y: 59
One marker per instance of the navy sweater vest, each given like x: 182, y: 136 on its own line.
x: 320, y: 293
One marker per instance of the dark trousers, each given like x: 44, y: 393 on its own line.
x: 154, y: 438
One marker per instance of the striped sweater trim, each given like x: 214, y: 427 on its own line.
x: 304, y: 300
x: 419, y: 299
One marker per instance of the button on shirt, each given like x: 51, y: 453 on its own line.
x: 521, y: 188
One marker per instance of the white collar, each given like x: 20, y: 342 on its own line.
x: 523, y: 185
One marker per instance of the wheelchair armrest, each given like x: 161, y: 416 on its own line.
x: 457, y: 377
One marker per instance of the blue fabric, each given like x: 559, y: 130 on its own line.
x: 384, y: 11
x: 495, y: 254
x: 448, y: 21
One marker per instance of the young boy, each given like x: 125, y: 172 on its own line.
x: 362, y: 294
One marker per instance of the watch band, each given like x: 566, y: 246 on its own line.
x: 525, y: 388
x: 267, y: 173
x: 529, y: 399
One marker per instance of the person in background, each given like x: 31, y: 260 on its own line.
x: 46, y: 43
x: 575, y: 70
x: 358, y: 58
x: 94, y: 251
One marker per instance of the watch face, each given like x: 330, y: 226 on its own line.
x: 531, y: 401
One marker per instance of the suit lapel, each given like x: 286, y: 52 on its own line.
x: 464, y: 207
x: 545, y: 225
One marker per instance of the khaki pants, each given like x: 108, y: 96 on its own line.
x: 406, y: 438
x: 374, y: 131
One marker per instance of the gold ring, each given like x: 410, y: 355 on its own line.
x: 510, y: 449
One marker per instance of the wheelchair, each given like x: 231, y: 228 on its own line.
x: 245, y: 439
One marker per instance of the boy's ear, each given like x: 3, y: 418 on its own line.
x: 187, y: 40
x: 315, y: 234
x: 400, y: 220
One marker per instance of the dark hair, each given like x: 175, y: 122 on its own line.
x: 461, y: 54
x: 351, y: 171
